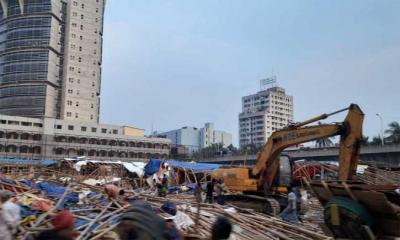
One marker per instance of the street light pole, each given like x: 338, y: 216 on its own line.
x: 382, y: 137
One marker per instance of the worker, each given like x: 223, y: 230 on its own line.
x: 303, y: 201
x: 197, y: 192
x: 289, y: 214
x: 221, y: 229
x: 5, y: 233
x: 113, y: 191
x: 209, y: 191
x: 11, y: 212
x: 163, y: 187
x: 141, y: 222
x: 220, y: 189
x: 63, y: 228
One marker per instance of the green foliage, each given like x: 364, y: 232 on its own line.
x: 394, y: 132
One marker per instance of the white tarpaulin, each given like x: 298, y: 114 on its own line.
x: 133, y: 167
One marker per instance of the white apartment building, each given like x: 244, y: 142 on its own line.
x: 262, y: 114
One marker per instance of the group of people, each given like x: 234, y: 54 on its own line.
x: 217, y: 186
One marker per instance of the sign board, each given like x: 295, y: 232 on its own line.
x: 267, y: 83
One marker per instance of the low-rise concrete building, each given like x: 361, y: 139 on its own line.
x: 194, y: 139
x: 50, y: 138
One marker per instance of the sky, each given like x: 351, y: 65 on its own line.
x: 169, y: 64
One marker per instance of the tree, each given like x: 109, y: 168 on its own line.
x: 376, y: 141
x: 394, y: 132
x: 323, y: 142
x: 364, y: 140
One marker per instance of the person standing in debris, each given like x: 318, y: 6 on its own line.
x: 220, y: 192
x: 209, y: 191
x: 197, y: 192
x: 11, y: 211
x: 221, y: 229
x: 304, y: 201
x: 289, y: 214
x: 163, y: 187
x: 113, y: 191
x: 63, y: 228
x: 5, y: 233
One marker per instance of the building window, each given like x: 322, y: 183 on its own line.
x: 74, y: 25
x: 91, y: 105
x: 71, y: 80
x: 79, y: 81
x: 77, y: 92
x: 81, y: 37
x: 82, y: 16
x: 79, y: 70
x: 69, y: 103
x: 104, y: 130
x: 76, y: 115
x: 94, y: 52
x: 97, y: 10
x: 91, y: 116
x: 95, y: 30
x: 80, y: 48
x: 94, y: 129
x: 115, y: 131
x: 81, y: 27
x: 97, y: 20
x: 68, y: 114
x: 70, y: 91
x: 77, y: 104
x: 73, y: 35
x: 70, y: 127
x: 93, y: 84
x: 74, y: 14
x: 83, y: 6
x: 71, y: 69
x: 92, y: 95
x: 94, y: 74
x: 58, y: 126
x: 75, y: 3
x: 79, y: 59
x: 83, y: 129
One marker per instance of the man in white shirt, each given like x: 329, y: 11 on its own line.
x: 11, y: 212
x: 289, y: 214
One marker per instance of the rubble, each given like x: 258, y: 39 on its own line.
x: 98, y: 215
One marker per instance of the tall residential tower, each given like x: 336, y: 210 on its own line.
x: 262, y: 114
x: 50, y: 58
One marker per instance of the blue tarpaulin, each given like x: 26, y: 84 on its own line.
x: 196, y: 167
x: 54, y: 191
x: 152, y: 166
x: 20, y: 161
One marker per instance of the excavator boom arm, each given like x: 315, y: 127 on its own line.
x: 267, y: 164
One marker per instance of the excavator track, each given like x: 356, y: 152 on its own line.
x: 272, y: 206
x: 268, y: 205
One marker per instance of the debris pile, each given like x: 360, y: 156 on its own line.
x: 97, y: 215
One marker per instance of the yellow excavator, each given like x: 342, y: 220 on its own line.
x: 347, y: 209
